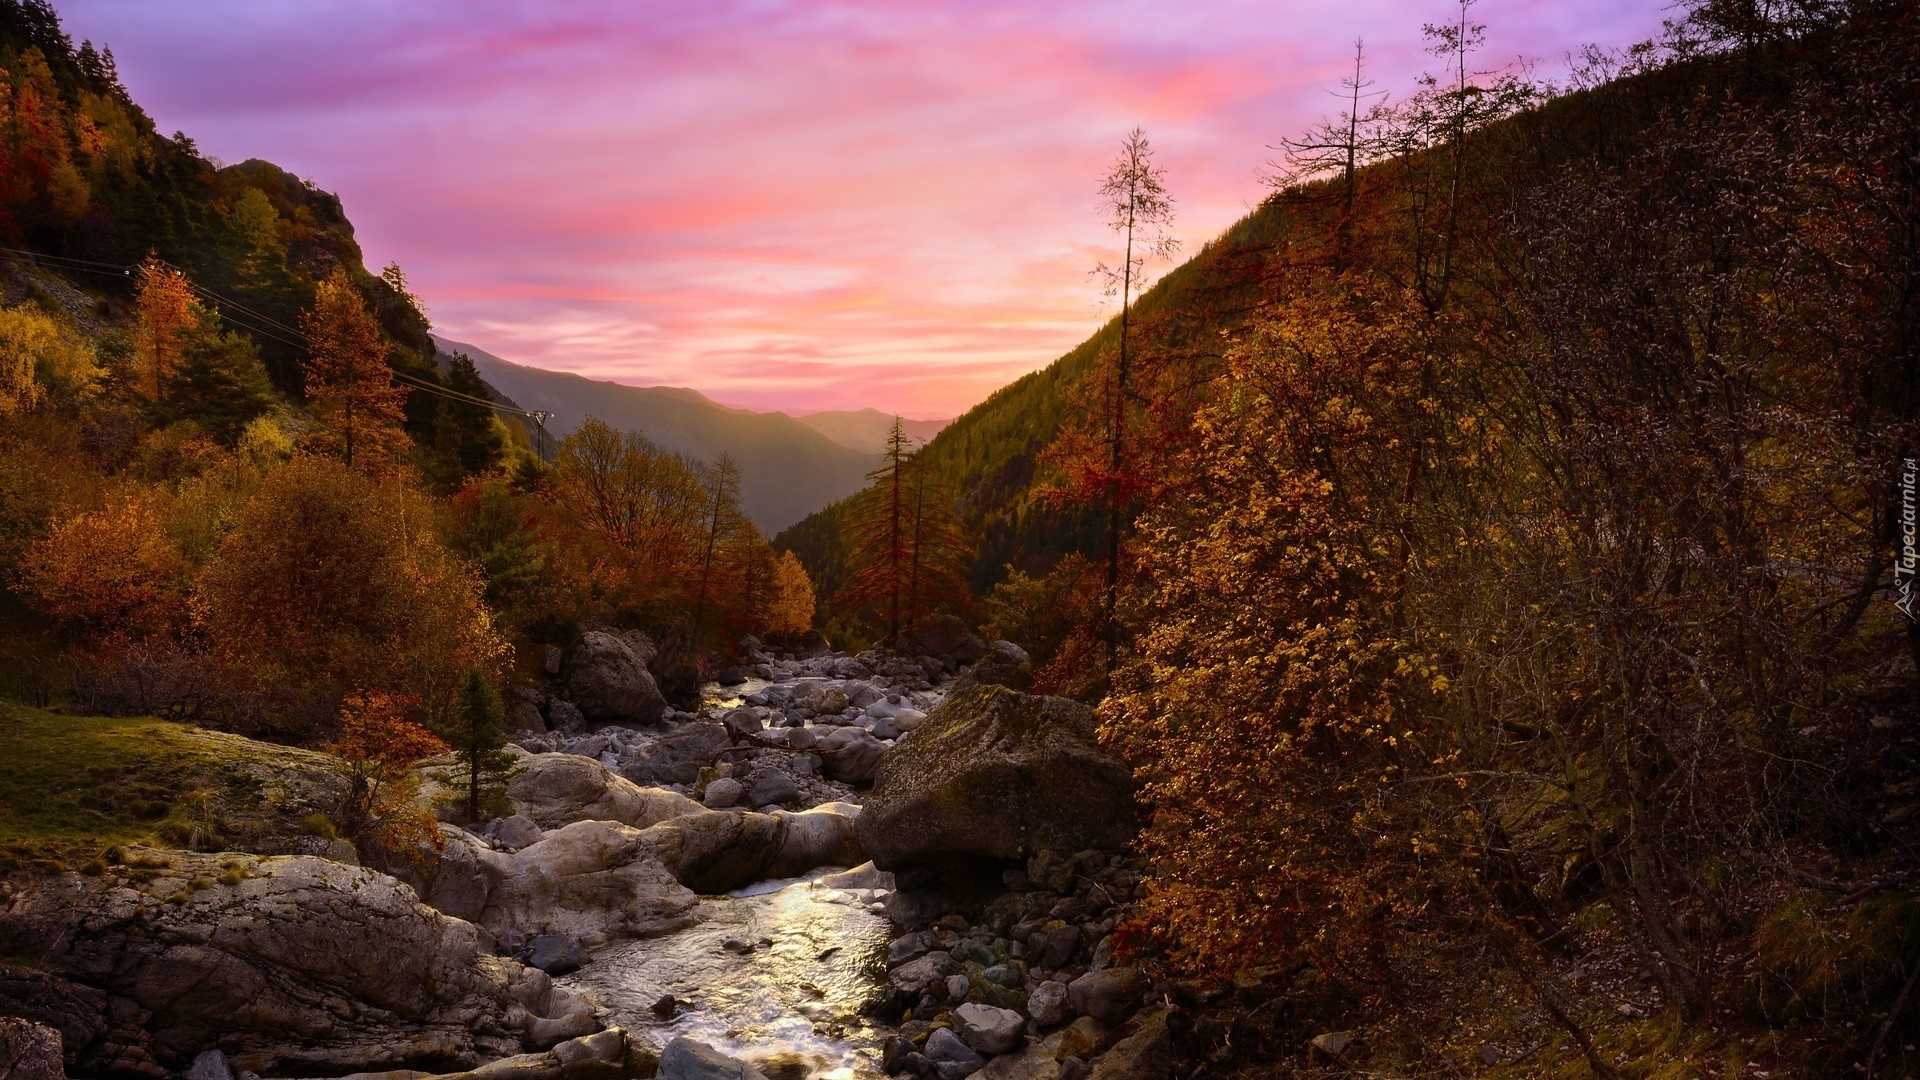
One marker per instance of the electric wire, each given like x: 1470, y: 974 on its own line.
x: 272, y: 330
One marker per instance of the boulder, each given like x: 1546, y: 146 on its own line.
x: 516, y: 832
x: 1050, y: 1058
x: 565, y: 716
x: 852, y: 755
x: 592, y: 880
x: 823, y: 835
x: 554, y: 790
x: 99, y: 1034
x: 997, y: 774
x: 1107, y: 996
x: 1048, y: 1003
x: 690, y: 1059
x: 31, y: 1051
x: 607, y: 677
x: 746, y: 720
x: 678, y: 756
x: 990, y: 1030
x: 555, y: 954
x: 945, y: 637
x: 952, y: 1058
x: 1146, y: 1054
x: 767, y: 786
x: 1005, y: 664
x: 723, y: 793
x: 301, y: 966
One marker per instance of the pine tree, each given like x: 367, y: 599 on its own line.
x: 484, y: 765
x: 469, y: 438
x: 220, y: 383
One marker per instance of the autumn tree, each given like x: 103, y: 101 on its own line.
x: 721, y: 525
x: 41, y: 359
x: 112, y: 571
x: 381, y: 739
x: 793, y: 603
x: 330, y: 581
x: 1137, y: 207
x: 349, y: 383
x: 164, y: 317
x: 878, y: 527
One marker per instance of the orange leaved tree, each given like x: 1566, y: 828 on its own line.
x: 349, y: 385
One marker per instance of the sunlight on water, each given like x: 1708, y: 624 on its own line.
x: 793, y: 1007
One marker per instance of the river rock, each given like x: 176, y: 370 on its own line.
x: 32, y: 1051
x: 914, y: 976
x: 723, y: 793
x: 269, y: 967
x: 591, y: 880
x: 998, y: 774
x: 852, y: 755
x: 824, y: 835
x: 555, y: 790
x: 1048, y: 1003
x: 565, y: 716
x: 607, y: 677
x: 1107, y: 996
x: 990, y: 1030
x: 678, y: 756
x: 555, y: 954
x: 952, y: 1058
x: 690, y: 1059
x: 1053, y: 1057
x: 767, y: 786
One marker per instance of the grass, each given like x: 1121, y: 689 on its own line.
x: 72, y: 788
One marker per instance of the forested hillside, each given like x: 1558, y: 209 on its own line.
x: 236, y: 486
x: 1504, y: 624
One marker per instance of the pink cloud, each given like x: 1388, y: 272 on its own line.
x: 783, y: 204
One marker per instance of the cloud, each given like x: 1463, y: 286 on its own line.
x: 783, y: 204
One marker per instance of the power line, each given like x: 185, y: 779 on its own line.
x: 538, y: 416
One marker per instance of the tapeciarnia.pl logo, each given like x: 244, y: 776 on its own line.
x: 1907, y: 564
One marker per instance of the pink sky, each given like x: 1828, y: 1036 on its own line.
x: 785, y: 205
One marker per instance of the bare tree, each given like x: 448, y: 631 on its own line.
x: 1134, y: 198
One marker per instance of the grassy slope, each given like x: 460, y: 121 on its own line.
x: 73, y: 786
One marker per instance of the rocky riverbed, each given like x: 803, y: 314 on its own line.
x: 891, y: 863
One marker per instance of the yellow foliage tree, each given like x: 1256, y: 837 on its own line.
x: 792, y: 609
x: 38, y: 357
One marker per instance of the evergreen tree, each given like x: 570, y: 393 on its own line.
x: 469, y: 438
x: 483, y: 764
x: 220, y: 383
x: 877, y: 528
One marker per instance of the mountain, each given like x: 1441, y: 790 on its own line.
x: 788, y: 468
x: 867, y: 429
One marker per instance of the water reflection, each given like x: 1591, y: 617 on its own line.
x: 792, y: 1005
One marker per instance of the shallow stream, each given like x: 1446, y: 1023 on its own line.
x: 793, y: 1005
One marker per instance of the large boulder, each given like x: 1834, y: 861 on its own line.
x: 591, y: 881
x: 607, y: 677
x: 678, y: 756
x: 852, y: 754
x: 291, y: 965
x: 556, y: 790
x: 30, y: 1051
x: 99, y: 1035
x: 945, y: 637
x: 997, y: 774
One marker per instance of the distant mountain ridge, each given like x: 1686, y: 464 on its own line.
x: 790, y: 467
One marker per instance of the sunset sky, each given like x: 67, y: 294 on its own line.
x: 792, y: 206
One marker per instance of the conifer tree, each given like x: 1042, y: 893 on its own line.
x: 484, y: 765
x: 469, y: 438
x: 878, y: 530
x: 349, y: 385
x: 220, y: 383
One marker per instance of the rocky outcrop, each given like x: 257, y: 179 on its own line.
x: 290, y: 964
x: 679, y: 755
x: 607, y: 677
x: 99, y: 1034
x: 595, y: 880
x: 997, y: 774
x: 29, y: 1051
x: 555, y: 790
